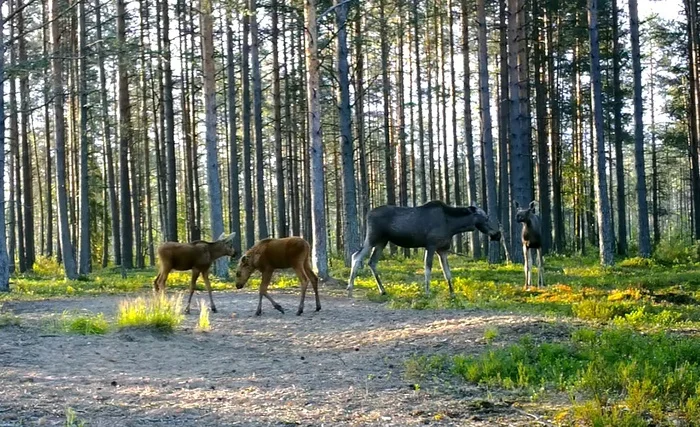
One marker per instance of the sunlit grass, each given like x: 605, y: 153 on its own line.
x: 78, y: 323
x: 203, y: 323
x: 160, y: 312
x: 617, y: 376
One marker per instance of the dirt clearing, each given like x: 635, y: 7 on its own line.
x: 343, y: 365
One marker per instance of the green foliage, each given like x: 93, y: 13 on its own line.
x: 621, y: 375
x: 9, y: 319
x: 72, y: 419
x: 80, y: 323
x: 158, y: 312
x: 47, y: 267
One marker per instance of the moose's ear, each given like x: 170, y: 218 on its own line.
x: 533, y: 204
x: 516, y: 204
x: 230, y: 237
x: 473, y: 209
x: 222, y: 237
x: 244, y: 259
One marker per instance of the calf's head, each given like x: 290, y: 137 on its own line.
x: 225, y: 244
x: 483, y: 224
x: 522, y: 215
x: 246, y: 267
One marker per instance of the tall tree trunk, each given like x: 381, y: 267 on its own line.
x: 419, y: 94
x: 247, y: 161
x: 4, y: 260
x: 360, y: 118
x: 403, y: 167
x: 542, y: 128
x: 694, y: 104
x: 504, y: 120
x: 605, y: 232
x: 85, y: 257
x: 167, y: 96
x: 468, y: 131
x: 643, y: 214
x: 257, y: 114
x: 319, y: 252
x: 654, y: 161
x: 209, y: 76
x: 107, y: 143
x: 456, y: 165
x: 144, y: 29
x: 386, y: 94
x: 350, y: 226
x: 18, y: 223
x: 28, y: 196
x: 521, y: 179
x: 235, y: 199
x: 47, y: 135
x: 282, y: 230
x: 60, y: 135
x: 555, y: 140
x: 487, y: 137
x: 617, y: 117
x: 125, y: 135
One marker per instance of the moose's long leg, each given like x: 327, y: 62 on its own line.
x: 314, y: 282
x: 161, y: 279
x: 540, y: 268
x: 357, y: 258
x: 193, y: 281
x: 155, y: 282
x: 373, y: 261
x: 205, y: 276
x: 442, y: 254
x: 429, y: 254
x: 527, y: 267
x: 264, y: 283
x: 304, y: 281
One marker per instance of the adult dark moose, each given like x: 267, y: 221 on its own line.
x: 430, y: 226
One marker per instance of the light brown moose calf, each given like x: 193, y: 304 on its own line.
x: 269, y: 255
x: 196, y: 256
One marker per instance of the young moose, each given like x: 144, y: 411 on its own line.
x: 532, y: 241
x: 430, y: 226
x: 196, y: 256
x: 269, y: 255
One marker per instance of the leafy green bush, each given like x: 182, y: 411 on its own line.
x: 80, y: 323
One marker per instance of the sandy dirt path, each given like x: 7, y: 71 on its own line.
x: 341, y: 366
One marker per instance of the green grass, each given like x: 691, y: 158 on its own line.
x: 614, y: 377
x: 79, y: 323
x: 160, y: 312
x: 203, y: 323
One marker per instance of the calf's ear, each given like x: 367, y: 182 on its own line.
x: 516, y: 204
x: 473, y: 209
x: 533, y: 205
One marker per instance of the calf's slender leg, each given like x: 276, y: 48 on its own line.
x: 264, y: 283
x: 429, y: 254
x: 162, y: 278
x: 527, y: 267
x: 304, y: 281
x: 540, y: 268
x: 155, y: 282
x: 193, y: 281
x: 373, y: 261
x: 442, y: 254
x: 357, y: 258
x: 314, y: 282
x: 205, y: 276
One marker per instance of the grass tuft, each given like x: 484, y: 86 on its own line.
x: 203, y: 322
x: 158, y: 312
x: 79, y: 323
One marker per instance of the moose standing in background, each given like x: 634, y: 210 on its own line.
x: 197, y: 256
x: 430, y: 226
x: 532, y: 241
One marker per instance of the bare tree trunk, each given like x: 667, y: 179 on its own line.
x: 654, y: 161
x: 542, y: 128
x: 360, y: 119
x: 419, y: 94
x: 617, y: 117
x: 16, y: 186
x: 471, y: 166
x: 4, y: 260
x: 85, y: 257
x: 209, y: 76
x: 319, y: 253
x: 257, y: 114
x: 60, y: 134
x: 605, y: 232
x: 247, y: 161
x: 145, y: 28
x: 350, y: 226
x: 28, y: 194
x: 487, y: 137
x: 167, y: 96
x: 47, y: 135
x: 125, y: 135
x: 555, y: 143
x: 643, y: 214
x: 403, y: 167
x: 455, y: 137
x: 503, y: 128
x: 282, y: 230
x: 235, y: 199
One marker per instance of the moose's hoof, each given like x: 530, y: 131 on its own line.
x: 258, y: 312
x: 187, y: 310
x: 279, y: 308
x: 213, y: 309
x: 318, y: 308
x: 301, y: 310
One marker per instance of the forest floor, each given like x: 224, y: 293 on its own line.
x: 596, y: 346
x: 342, y: 365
